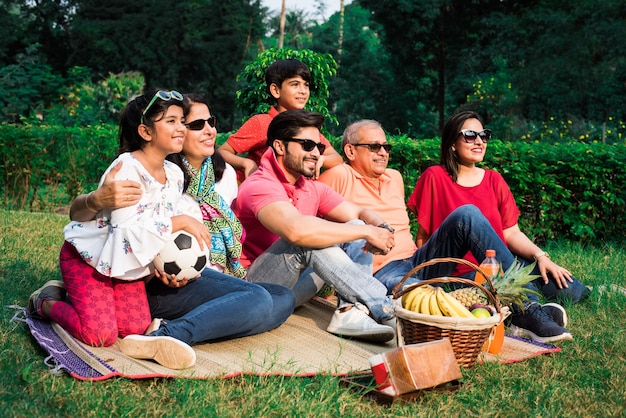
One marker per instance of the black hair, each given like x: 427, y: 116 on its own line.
x: 449, y: 136
x: 131, y: 118
x: 281, y: 70
x: 219, y: 165
x: 287, y: 124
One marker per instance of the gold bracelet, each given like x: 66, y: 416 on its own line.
x: 87, y: 205
x: 541, y: 254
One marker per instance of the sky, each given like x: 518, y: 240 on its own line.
x: 332, y: 6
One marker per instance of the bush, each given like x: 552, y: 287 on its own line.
x: 567, y: 191
x: 48, y: 166
x: 571, y: 191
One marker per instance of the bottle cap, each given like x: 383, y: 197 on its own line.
x: 490, y: 253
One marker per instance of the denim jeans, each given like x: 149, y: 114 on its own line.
x: 309, y: 282
x: 217, y: 306
x: 284, y: 263
x: 466, y: 229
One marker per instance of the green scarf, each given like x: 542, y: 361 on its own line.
x: 227, y: 234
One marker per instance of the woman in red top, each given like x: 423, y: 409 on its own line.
x: 459, y: 181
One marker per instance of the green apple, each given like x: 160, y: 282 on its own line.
x: 481, y: 313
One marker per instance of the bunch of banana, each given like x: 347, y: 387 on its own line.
x: 432, y: 300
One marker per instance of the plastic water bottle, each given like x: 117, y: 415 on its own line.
x: 490, y: 266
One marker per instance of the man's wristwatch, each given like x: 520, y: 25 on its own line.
x: 387, y: 227
x: 541, y: 254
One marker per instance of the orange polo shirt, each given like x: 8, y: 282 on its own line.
x: 384, y: 196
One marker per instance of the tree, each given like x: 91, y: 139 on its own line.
x: 365, y: 85
x: 170, y: 44
x: 577, y: 66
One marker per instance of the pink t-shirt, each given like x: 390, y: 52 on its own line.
x: 267, y: 185
x: 435, y: 196
x: 251, y: 138
x: 385, y: 197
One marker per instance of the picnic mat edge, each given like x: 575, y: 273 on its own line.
x: 255, y: 355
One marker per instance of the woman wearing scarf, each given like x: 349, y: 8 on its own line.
x: 213, y: 184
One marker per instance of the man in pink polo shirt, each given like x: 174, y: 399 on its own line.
x: 294, y: 224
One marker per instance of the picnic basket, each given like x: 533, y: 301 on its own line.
x: 467, y: 335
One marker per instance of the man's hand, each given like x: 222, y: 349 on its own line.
x: 380, y: 242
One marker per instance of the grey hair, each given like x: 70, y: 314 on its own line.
x: 351, y: 134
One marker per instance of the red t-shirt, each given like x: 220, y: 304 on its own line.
x: 251, y: 138
x: 435, y: 196
x: 268, y: 184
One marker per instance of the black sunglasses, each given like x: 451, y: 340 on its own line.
x: 198, y: 124
x: 307, y: 144
x: 470, y: 136
x: 375, y: 147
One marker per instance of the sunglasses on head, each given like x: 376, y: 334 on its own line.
x: 163, y: 95
x: 198, y: 124
x: 307, y: 144
x: 470, y: 135
x: 375, y: 147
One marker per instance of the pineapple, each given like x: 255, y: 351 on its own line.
x: 469, y: 296
x: 508, y: 287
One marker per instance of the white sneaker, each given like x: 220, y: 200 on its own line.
x: 356, y: 323
x: 166, y: 351
x: 154, y: 325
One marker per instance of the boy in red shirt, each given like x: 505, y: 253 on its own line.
x: 288, y: 83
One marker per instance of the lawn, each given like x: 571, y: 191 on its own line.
x: 587, y: 379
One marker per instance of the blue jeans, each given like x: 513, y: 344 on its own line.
x: 217, y: 306
x: 309, y: 283
x: 284, y: 263
x: 467, y: 229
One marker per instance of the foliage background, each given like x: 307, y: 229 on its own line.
x: 408, y: 64
x: 567, y: 190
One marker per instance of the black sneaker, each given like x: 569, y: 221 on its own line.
x: 557, y: 312
x: 52, y: 290
x: 538, y: 325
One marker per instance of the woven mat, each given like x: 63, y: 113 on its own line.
x: 300, y: 347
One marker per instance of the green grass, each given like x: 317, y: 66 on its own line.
x: 587, y: 379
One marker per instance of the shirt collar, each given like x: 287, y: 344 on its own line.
x: 384, y: 178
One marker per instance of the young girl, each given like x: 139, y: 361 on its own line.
x: 105, y: 261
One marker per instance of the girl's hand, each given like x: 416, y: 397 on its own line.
x: 170, y: 279
x: 193, y: 227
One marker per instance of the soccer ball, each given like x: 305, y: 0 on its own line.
x: 182, y: 256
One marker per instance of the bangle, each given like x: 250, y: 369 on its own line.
x: 88, y: 206
x: 387, y: 227
x: 541, y: 254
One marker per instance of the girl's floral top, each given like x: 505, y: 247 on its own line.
x: 122, y: 243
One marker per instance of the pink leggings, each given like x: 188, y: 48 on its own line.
x: 101, y: 307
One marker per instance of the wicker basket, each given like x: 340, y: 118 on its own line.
x: 468, y: 335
